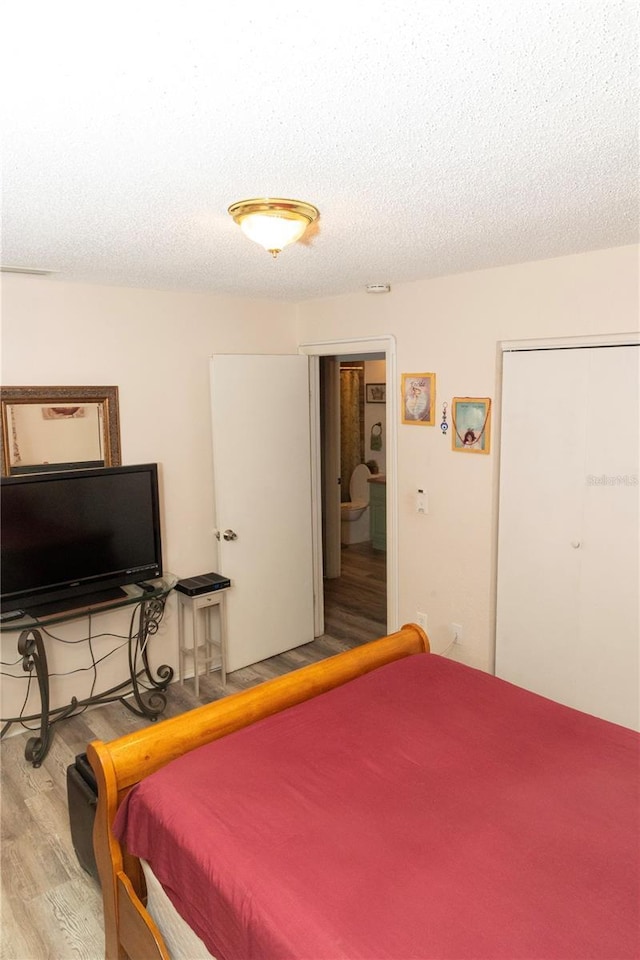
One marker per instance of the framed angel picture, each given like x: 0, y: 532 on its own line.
x: 471, y: 420
x: 419, y: 398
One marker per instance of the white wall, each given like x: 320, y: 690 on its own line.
x: 154, y: 346
x: 452, y: 326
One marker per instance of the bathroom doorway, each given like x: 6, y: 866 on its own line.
x: 326, y: 523
x: 353, y: 434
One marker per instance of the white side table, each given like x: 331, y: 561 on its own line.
x: 199, y: 638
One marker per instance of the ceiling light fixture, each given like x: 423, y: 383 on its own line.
x: 273, y: 223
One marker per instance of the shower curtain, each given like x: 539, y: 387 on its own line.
x: 351, y: 445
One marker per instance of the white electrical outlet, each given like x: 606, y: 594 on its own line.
x: 421, y: 619
x: 456, y: 632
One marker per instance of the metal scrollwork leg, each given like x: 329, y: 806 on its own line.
x: 31, y: 648
x: 150, y: 615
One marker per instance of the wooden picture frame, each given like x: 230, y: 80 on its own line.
x: 418, y: 399
x: 376, y: 392
x: 471, y: 420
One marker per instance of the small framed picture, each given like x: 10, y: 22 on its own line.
x: 376, y: 392
x: 471, y: 418
x: 419, y: 398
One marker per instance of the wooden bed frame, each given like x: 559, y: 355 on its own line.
x: 130, y: 932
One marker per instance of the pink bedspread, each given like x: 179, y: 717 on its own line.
x: 424, y: 810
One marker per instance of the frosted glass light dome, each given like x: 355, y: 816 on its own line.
x: 273, y: 223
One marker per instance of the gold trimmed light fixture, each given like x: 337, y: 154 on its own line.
x: 273, y: 223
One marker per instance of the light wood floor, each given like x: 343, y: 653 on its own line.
x: 50, y: 908
x: 356, y: 603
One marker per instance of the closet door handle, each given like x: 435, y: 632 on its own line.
x: 576, y: 544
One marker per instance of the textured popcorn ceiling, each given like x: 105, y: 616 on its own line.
x: 435, y: 136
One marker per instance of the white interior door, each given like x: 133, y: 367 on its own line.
x: 262, y: 482
x: 541, y: 464
x: 568, y: 573
x: 330, y: 402
x: 609, y: 602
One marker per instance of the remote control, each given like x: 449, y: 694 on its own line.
x: 11, y: 615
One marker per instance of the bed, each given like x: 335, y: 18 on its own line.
x: 383, y: 803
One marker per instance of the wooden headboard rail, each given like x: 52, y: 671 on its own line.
x: 120, y: 764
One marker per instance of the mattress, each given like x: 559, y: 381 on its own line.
x: 181, y: 942
x: 423, y: 810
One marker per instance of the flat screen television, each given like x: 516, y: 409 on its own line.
x: 72, y: 538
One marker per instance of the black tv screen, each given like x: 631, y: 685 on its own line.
x: 71, y: 538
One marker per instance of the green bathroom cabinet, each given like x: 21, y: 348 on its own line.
x: 378, y: 514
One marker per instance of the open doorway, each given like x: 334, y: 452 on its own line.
x: 353, y: 454
x: 385, y: 346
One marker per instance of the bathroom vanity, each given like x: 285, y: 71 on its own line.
x: 378, y: 512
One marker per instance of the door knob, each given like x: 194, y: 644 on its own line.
x: 576, y: 544
x: 229, y: 535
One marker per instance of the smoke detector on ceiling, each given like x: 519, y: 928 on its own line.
x: 378, y: 288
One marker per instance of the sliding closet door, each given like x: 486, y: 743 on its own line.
x: 567, y: 606
x: 541, y: 463
x: 609, y: 601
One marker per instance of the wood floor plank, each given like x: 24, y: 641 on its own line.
x: 51, y: 908
x: 21, y: 938
x: 73, y: 907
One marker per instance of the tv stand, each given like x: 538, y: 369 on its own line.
x: 149, y: 599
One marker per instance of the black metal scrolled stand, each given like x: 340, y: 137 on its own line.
x: 148, y: 612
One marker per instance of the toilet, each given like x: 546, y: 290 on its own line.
x: 354, y: 515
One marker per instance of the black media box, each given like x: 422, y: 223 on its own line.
x: 205, y: 583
